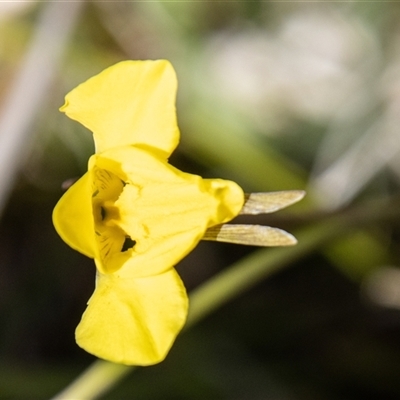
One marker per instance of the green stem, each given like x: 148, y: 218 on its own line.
x: 98, y: 379
x: 103, y: 375
x: 247, y: 272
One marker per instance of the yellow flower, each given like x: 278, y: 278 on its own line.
x: 135, y: 214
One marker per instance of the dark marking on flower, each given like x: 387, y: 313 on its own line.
x: 106, y: 248
x: 128, y: 244
x: 95, y: 193
x: 103, y: 213
x: 103, y: 177
x: 97, y: 233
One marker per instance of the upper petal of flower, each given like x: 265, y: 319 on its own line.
x: 132, y: 102
x: 163, y: 210
x: 73, y: 217
x: 133, y: 321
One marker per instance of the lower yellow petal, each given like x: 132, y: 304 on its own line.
x: 133, y: 321
x: 73, y: 217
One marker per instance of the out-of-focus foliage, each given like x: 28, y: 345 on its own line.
x: 274, y: 96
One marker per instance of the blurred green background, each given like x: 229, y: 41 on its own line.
x: 273, y: 95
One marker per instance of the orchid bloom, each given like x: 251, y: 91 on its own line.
x: 136, y: 215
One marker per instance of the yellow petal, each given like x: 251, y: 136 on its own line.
x: 133, y: 321
x: 165, y: 211
x: 132, y: 102
x: 230, y: 196
x: 73, y: 217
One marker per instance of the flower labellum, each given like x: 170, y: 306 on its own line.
x: 137, y: 216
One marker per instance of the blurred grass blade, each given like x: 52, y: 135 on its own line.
x: 218, y: 140
x: 29, y: 90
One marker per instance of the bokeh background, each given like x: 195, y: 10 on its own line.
x: 274, y: 95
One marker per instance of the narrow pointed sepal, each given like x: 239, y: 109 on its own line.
x: 269, y: 202
x: 251, y: 235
